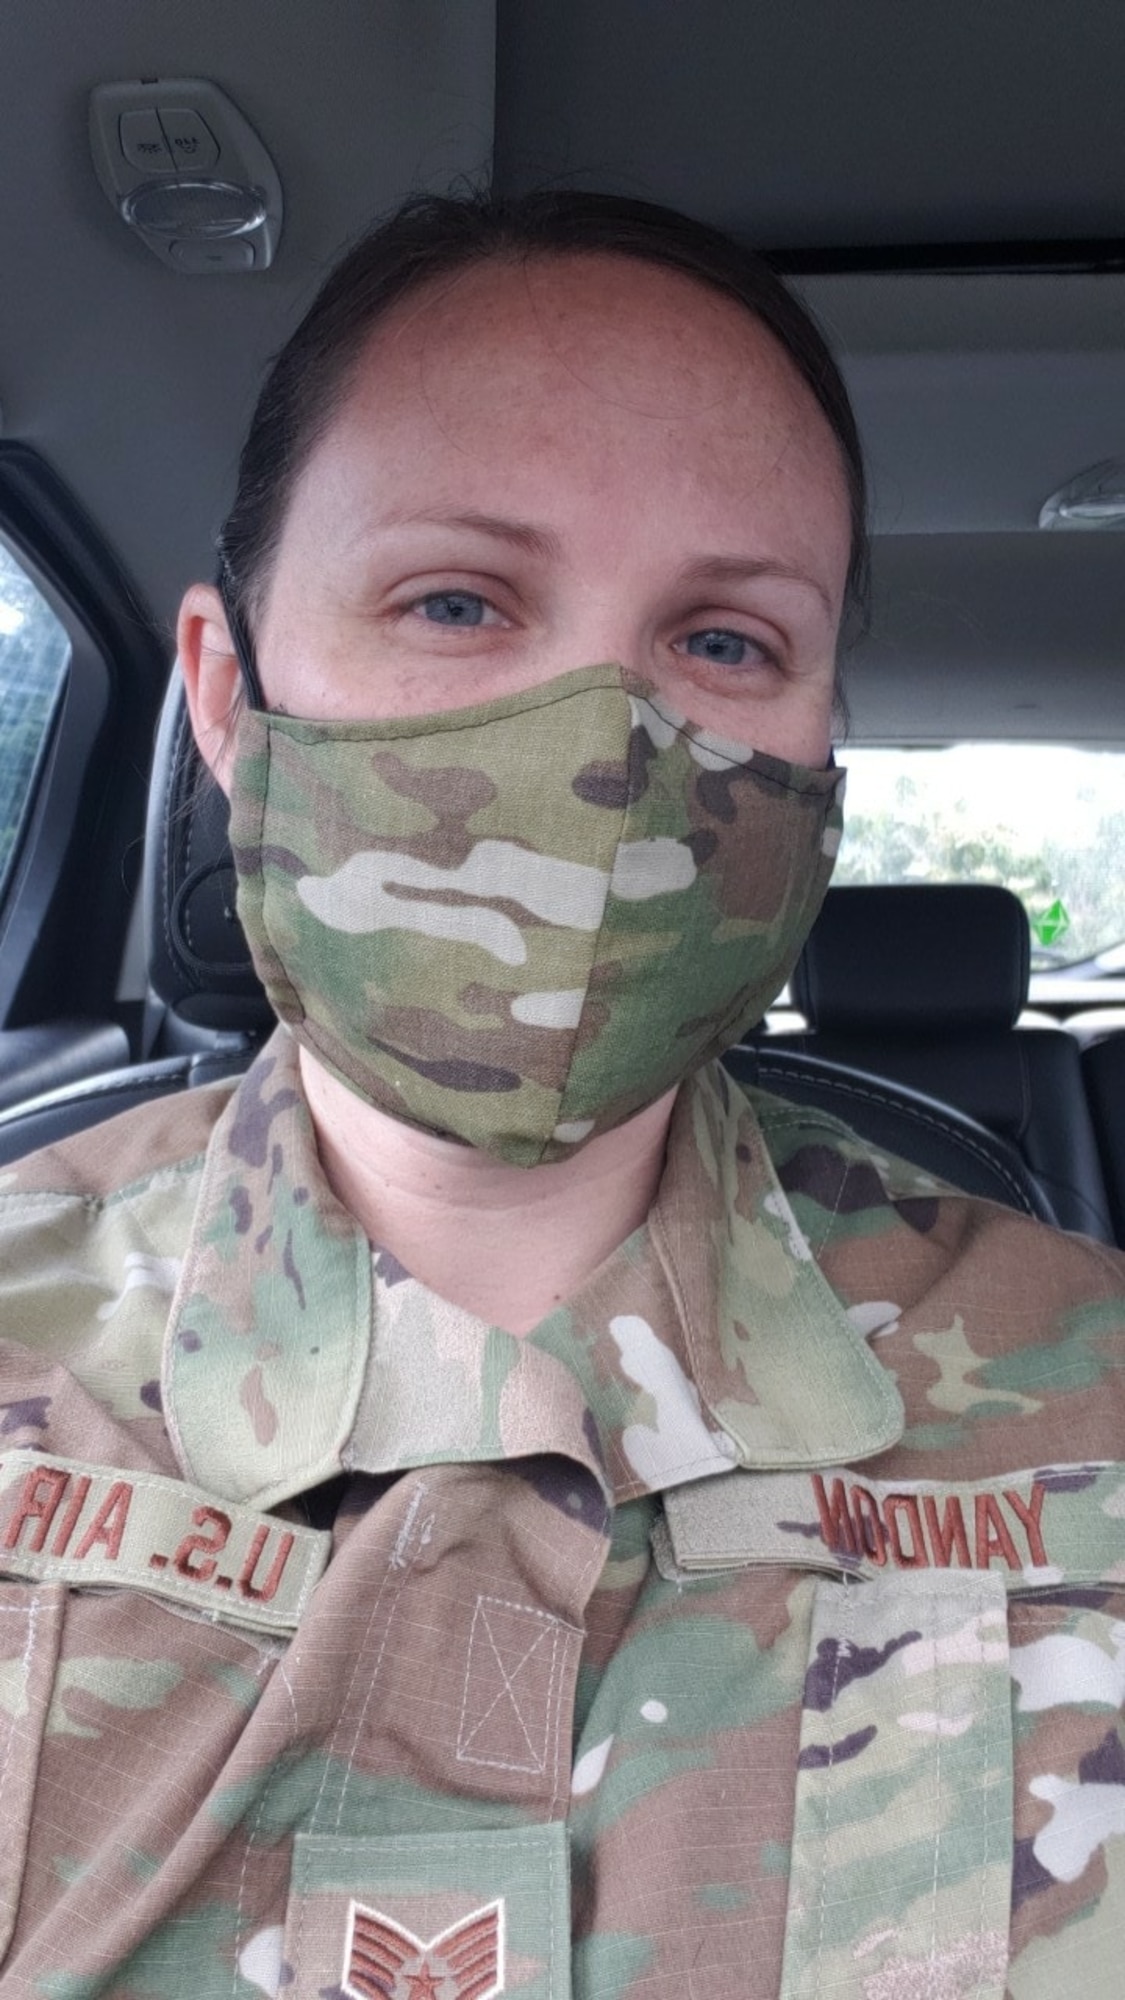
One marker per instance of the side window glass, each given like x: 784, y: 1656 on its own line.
x: 34, y: 656
x: 1045, y: 819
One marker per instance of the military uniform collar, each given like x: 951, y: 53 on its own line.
x: 772, y: 1350
x: 709, y: 1339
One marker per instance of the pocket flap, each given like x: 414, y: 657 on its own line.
x: 458, y: 1916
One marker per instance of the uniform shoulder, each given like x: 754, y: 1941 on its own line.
x: 790, y: 1129
x: 820, y: 1157
x: 121, y: 1151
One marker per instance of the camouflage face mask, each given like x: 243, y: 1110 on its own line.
x: 519, y: 923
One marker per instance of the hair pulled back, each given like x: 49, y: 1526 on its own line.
x: 432, y: 237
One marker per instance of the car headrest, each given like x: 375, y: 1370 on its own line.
x: 199, y: 965
x: 898, y: 959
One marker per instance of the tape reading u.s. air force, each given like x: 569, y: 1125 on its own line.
x: 84, y: 1525
x: 1057, y: 1524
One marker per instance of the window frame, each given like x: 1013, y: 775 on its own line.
x: 25, y: 803
x: 75, y: 868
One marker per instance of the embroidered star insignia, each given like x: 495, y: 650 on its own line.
x: 422, y: 1985
x: 384, y: 1961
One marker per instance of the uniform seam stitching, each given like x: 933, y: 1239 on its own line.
x: 32, y: 1616
x: 97, y: 1204
x: 550, y: 1625
x: 829, y: 1780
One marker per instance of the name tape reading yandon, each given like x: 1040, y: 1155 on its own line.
x: 81, y: 1524
x: 1055, y: 1524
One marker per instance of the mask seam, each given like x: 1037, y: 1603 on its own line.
x: 753, y: 757
x: 812, y: 893
x: 433, y: 721
x: 280, y: 974
x: 813, y: 890
x: 374, y: 733
x: 594, y: 954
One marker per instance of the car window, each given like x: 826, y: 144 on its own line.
x: 1045, y: 819
x: 34, y: 657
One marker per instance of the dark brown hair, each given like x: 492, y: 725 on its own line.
x: 432, y: 237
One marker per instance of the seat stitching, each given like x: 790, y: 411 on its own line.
x: 963, y: 1140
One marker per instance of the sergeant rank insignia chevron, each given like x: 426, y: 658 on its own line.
x: 382, y: 1961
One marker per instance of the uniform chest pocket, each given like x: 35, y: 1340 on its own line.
x: 31, y: 1620
x: 959, y: 1805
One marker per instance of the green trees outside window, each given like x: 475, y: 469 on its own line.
x: 34, y: 654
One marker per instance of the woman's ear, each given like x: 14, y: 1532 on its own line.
x: 211, y: 675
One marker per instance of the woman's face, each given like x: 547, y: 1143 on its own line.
x: 546, y: 466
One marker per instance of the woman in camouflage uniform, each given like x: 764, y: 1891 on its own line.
x: 557, y: 1520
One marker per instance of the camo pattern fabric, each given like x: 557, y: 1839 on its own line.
x: 754, y: 1626
x: 521, y: 922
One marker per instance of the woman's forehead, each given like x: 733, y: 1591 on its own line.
x: 580, y: 390
x: 616, y: 335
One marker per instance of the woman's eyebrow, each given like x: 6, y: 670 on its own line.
x: 542, y: 542
x: 746, y: 569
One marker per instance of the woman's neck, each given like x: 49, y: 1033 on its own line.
x: 506, y: 1243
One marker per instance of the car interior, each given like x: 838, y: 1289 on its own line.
x: 942, y: 186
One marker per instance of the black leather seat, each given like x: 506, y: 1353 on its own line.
x: 924, y: 986
x: 1103, y: 1066
x: 56, y: 1052
x: 205, y: 997
x: 895, y: 1119
x: 208, y: 1014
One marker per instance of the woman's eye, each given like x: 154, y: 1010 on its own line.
x: 452, y: 607
x: 726, y: 649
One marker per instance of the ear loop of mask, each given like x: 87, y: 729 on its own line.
x: 243, y: 643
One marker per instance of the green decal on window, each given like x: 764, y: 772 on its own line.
x: 1052, y: 923
x: 1031, y: 816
